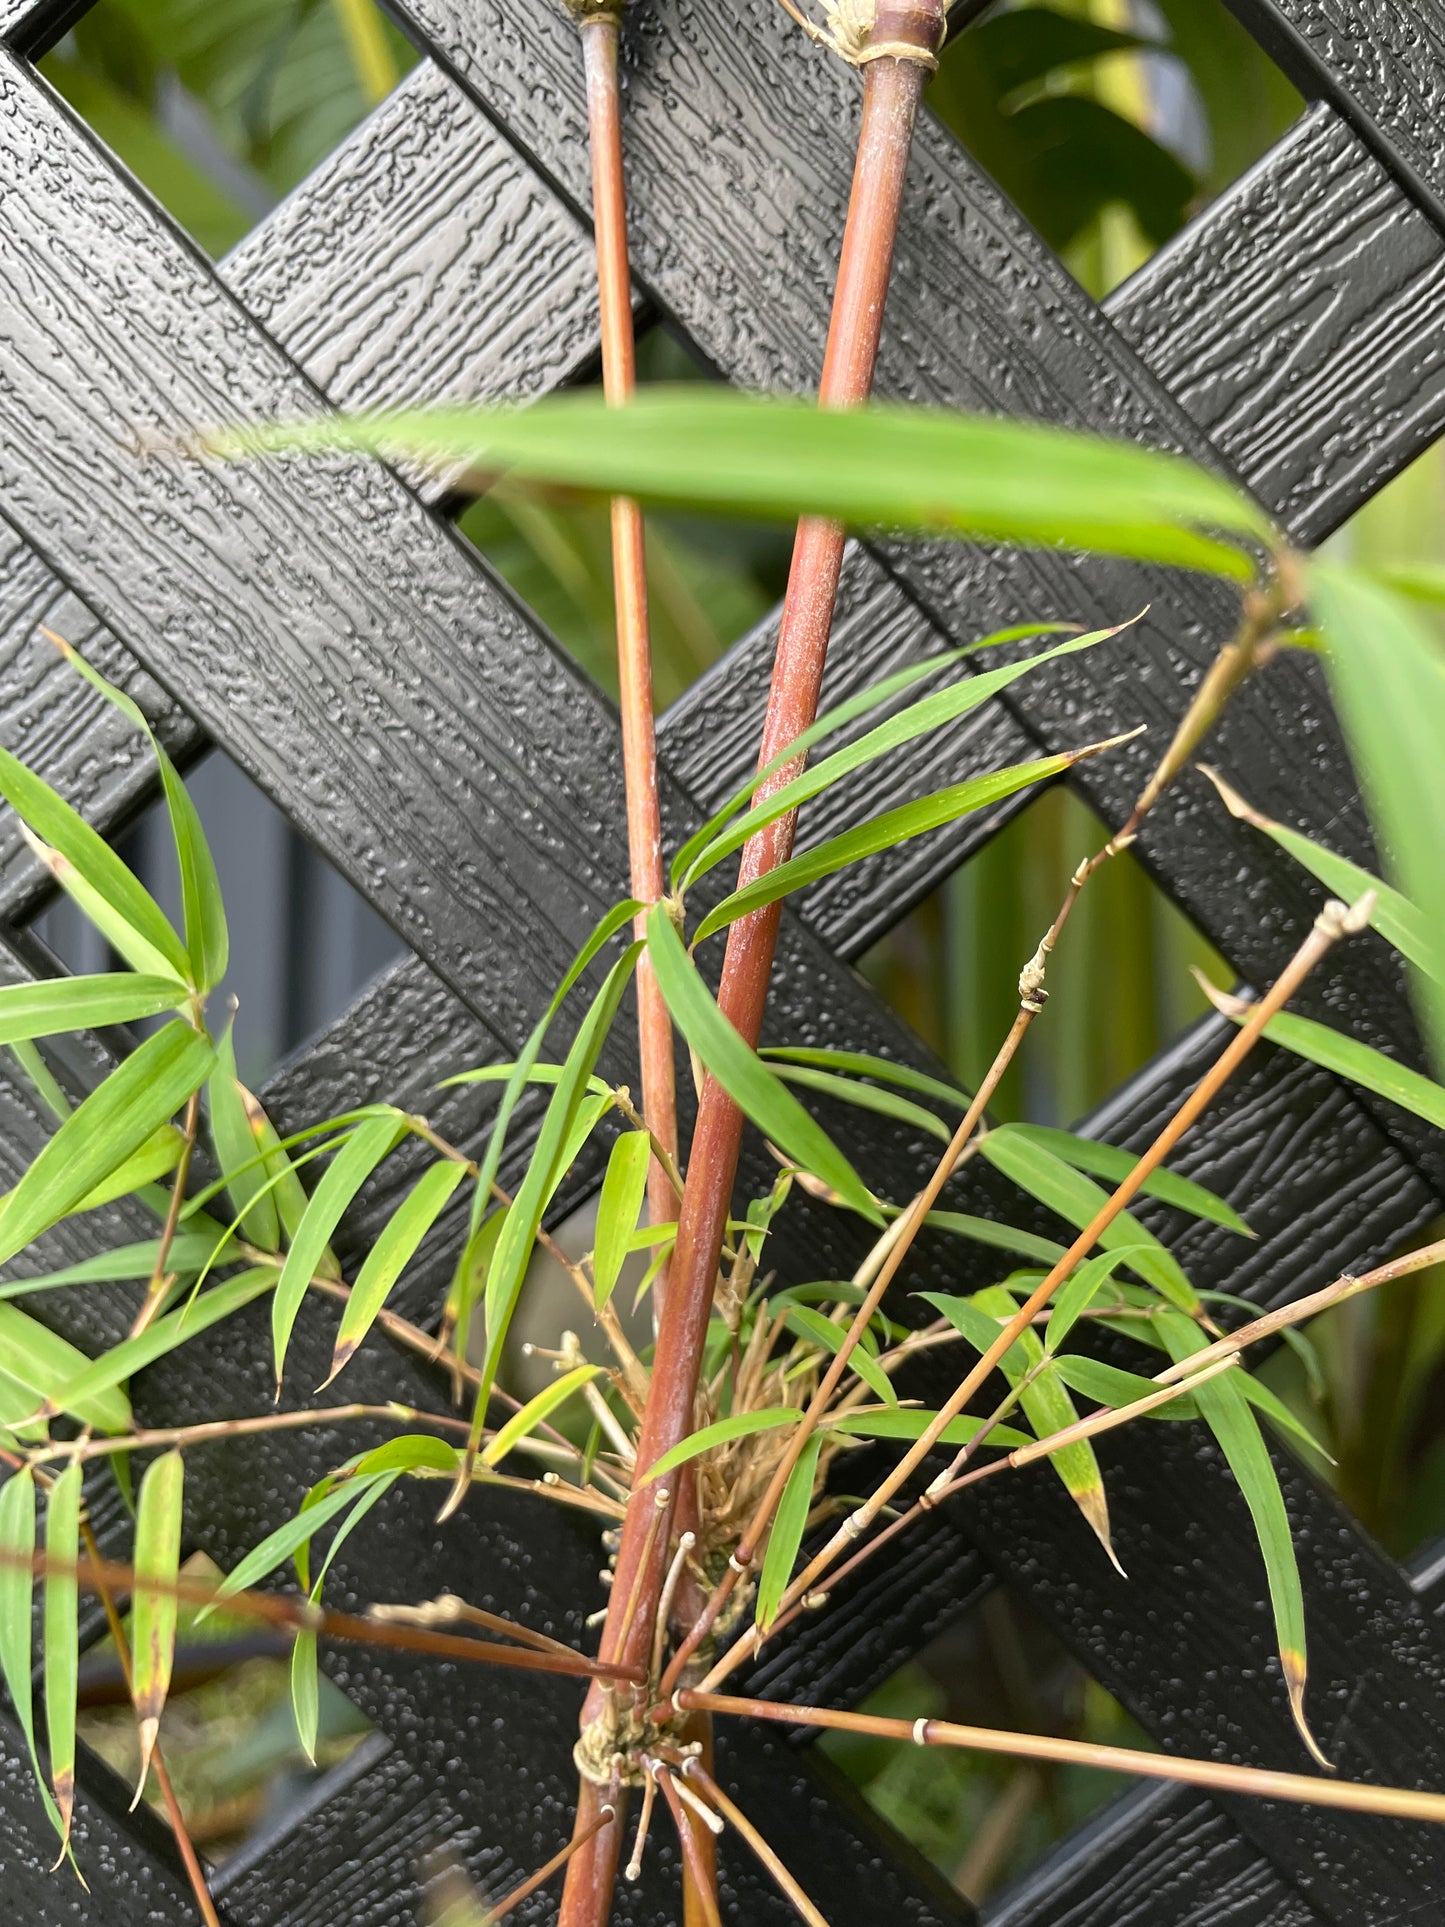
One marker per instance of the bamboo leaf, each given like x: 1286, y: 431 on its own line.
x: 343, y: 1178
x: 113, y: 1122
x: 883, y: 832
x: 1387, y: 675
x: 17, y: 1584
x: 618, y: 1209
x: 391, y: 1254
x: 742, y: 1074
x: 305, y: 1692
x: 822, y: 1332
x: 278, y: 1546
x: 979, y: 476
x: 115, y: 1367
x: 1394, y: 916
x: 521, y: 1424
x: 738, y: 1425
x: 154, y: 1612
x: 85, y: 857
x: 159, y: 1155
x: 1079, y: 1292
x: 190, y: 1251
x: 1361, y: 1063
x: 852, y: 1063
x: 281, y: 1174
x: 1107, y: 1161
x: 866, y: 1097
x: 1001, y: 1237
x: 786, y: 1536
x: 236, y: 1152
x: 922, y: 718
x: 910, y: 1423
x: 469, y: 1281
x: 50, y: 1005
x: 46, y: 1364
x: 1078, y: 1199
x: 1109, y: 1386
x: 980, y: 1327
x: 1274, y: 1407
x: 62, y: 1639
x: 1227, y: 1414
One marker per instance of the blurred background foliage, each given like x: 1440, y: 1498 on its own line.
x: 1110, y: 123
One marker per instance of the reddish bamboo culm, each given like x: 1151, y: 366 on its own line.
x: 903, y: 43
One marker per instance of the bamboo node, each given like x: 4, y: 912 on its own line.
x: 848, y: 29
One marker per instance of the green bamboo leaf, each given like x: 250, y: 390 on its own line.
x: 38, y: 1073
x: 1107, y: 1161
x: 1109, y: 1386
x: 786, y: 1536
x: 154, y: 1612
x: 1274, y: 1407
x: 1398, y: 921
x: 980, y: 1327
x: 521, y: 1424
x: 820, y: 1331
x: 1078, y: 1199
x: 278, y: 1546
x: 738, y: 1425
x: 46, y: 1364
x: 618, y: 1208
x: 236, y: 1152
x: 866, y: 1097
x: 911, y: 1423
x: 1345, y: 1056
x: 742, y: 1074
x: 99, y: 1379
x: 1387, y: 674
x: 113, y: 1122
x: 62, y: 1638
x: 1000, y: 1237
x: 1227, y: 1414
x: 882, y: 465
x: 1080, y: 1291
x: 873, y: 696
x: 469, y: 1281
x: 50, y: 1005
x: 156, y: 1158
x: 344, y: 1177
x: 287, y: 1189
x: 883, y: 832
x: 305, y: 1692
x: 391, y: 1254
x: 207, y: 940
x: 17, y: 1584
x: 922, y: 718
x: 852, y: 1063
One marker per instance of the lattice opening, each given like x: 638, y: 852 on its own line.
x: 303, y: 942
x: 984, y: 1821
x: 709, y: 580
x: 1120, y: 983
x: 219, y: 119
x: 1111, y: 122
x: 228, y: 1735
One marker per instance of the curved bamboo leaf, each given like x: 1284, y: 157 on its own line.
x: 866, y: 1097
x: 46, y: 1364
x: 391, y: 1254
x: 17, y: 1585
x: 522, y: 1423
x: 1001, y: 1237
x: 822, y: 1333
x: 742, y: 1074
x: 236, y: 1152
x: 154, y: 1612
x: 62, y: 1638
x: 1079, y: 1292
x: 739, y: 1425
x: 910, y: 1423
x: 854, y: 1063
x: 1108, y: 1161
x: 786, y: 1535
x: 618, y: 1209
x: 50, y: 1005
x: 146, y: 1089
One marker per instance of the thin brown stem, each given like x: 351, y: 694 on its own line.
x: 555, y: 1865
x: 693, y: 1769
x: 1333, y: 923
x: 1399, y: 1803
x: 701, y: 1882
x: 190, y: 1860
x: 159, y: 1280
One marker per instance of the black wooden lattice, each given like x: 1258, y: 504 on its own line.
x: 322, y: 623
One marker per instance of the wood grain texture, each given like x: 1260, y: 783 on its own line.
x: 1298, y: 324
x: 1381, y: 63
x: 34, y: 26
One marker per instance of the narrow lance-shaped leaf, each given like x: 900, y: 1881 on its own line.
x: 138, y: 1097
x: 47, y: 1364
x: 1080, y: 1291
x: 1226, y: 1412
x: 207, y: 939
x: 883, y: 832
x: 305, y: 1691
x: 1000, y: 1237
x: 1348, y: 1058
x: 17, y: 1545
x: 1387, y: 674
x: 822, y: 1332
x: 153, y: 1160
x: 742, y: 1073
x: 286, y: 1187
x: 866, y: 1097
x: 1078, y: 1199
x: 236, y: 1152
x: 787, y: 1533
x: 153, y: 1615
x: 883, y: 465
x: 62, y: 1638
x: 853, y: 1063
x: 1393, y: 915
x: 391, y: 1254
x: 469, y: 1281
x: 51, y: 1005
x: 1109, y: 1162
x: 344, y: 1177
x: 738, y: 1425
x: 532, y: 1414
x: 618, y: 1209
x: 1110, y: 1386
x: 910, y: 1423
